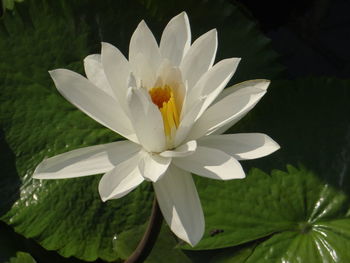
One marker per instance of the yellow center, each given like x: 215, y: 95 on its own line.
x: 164, y: 98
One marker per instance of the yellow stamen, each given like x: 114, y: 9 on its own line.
x: 164, y: 98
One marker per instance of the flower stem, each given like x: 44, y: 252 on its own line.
x: 149, y: 238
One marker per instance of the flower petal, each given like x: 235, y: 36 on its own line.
x: 117, y: 71
x: 176, y: 39
x: 257, y: 83
x: 213, y: 82
x: 171, y: 76
x: 144, y: 72
x: 243, y: 146
x: 211, y: 163
x: 93, y: 102
x: 147, y: 120
x: 199, y: 58
x: 179, y: 202
x: 94, y: 72
x: 143, y: 50
x: 228, y: 110
x: 85, y: 161
x: 187, y: 122
x: 184, y: 150
x: 153, y: 166
x: 121, y: 180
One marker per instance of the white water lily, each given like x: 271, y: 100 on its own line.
x: 167, y: 101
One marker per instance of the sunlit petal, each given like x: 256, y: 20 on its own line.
x: 199, y: 58
x: 121, y: 180
x: 230, y: 109
x: 176, y: 39
x: 93, y: 102
x: 179, y: 202
x: 95, y: 73
x: 86, y: 161
x: 242, y: 146
x: 153, y: 166
x: 211, y: 163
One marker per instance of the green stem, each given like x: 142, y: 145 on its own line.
x: 149, y: 238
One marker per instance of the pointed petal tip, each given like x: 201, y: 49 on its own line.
x: 265, y: 84
x: 233, y: 61
x: 274, y: 146
x: 194, y: 240
x: 52, y: 72
x: 213, y: 32
x: 142, y: 24
x: 183, y: 15
x: 104, y: 198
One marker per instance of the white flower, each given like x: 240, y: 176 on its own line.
x: 165, y: 100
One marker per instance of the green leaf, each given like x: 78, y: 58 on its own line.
x: 164, y: 251
x: 22, y: 257
x: 12, y: 242
x: 36, y: 122
x: 303, y: 218
x: 9, y: 4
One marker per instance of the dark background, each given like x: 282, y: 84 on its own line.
x: 313, y: 37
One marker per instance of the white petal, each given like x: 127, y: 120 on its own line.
x: 187, y: 122
x: 117, y: 70
x: 85, y: 161
x: 94, y: 72
x: 184, y: 150
x: 213, y: 82
x: 171, y: 76
x: 144, y: 72
x: 243, y: 146
x: 256, y: 83
x: 176, y: 39
x: 153, y: 166
x: 228, y: 110
x: 199, y: 58
x: 147, y: 120
x: 143, y: 48
x: 179, y: 202
x: 211, y: 163
x: 121, y: 180
x: 93, y: 102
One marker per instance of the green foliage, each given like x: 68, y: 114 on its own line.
x: 164, y: 251
x: 292, y: 216
x: 36, y: 122
x: 22, y: 257
x: 9, y: 4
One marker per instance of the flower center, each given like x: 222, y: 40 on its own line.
x: 164, y: 98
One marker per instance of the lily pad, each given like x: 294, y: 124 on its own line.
x: 36, y: 122
x: 164, y: 251
x: 294, y: 216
